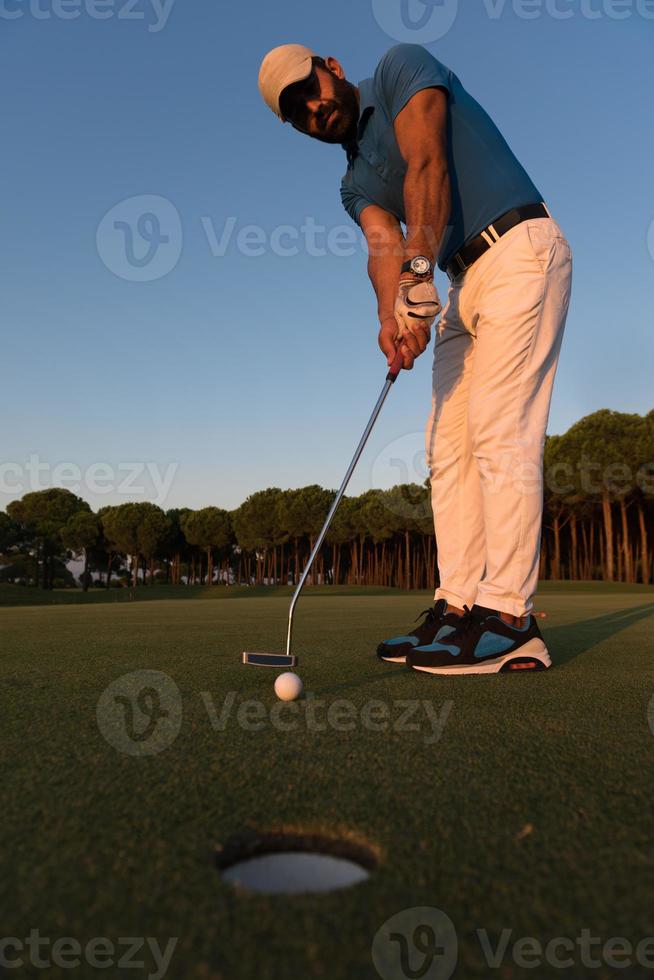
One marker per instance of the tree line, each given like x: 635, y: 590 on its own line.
x: 598, y: 521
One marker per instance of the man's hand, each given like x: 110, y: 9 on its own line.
x: 416, y: 307
x: 394, y: 289
x: 411, y: 344
x: 389, y: 342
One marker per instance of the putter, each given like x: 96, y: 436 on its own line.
x: 289, y: 659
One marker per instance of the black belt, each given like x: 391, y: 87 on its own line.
x: 492, y: 233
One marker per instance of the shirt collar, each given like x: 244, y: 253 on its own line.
x: 366, y: 103
x: 366, y: 109
x: 367, y: 94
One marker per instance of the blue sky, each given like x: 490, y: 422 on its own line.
x: 232, y: 372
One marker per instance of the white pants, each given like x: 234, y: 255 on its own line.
x: 495, y: 358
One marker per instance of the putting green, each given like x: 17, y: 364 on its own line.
x: 514, y: 802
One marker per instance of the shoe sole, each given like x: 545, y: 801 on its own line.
x: 532, y: 655
x: 390, y: 659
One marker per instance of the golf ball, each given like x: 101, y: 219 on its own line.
x: 288, y: 686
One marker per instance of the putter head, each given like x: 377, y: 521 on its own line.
x: 269, y: 659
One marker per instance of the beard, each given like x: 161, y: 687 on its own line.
x: 339, y: 116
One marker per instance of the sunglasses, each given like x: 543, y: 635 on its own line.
x: 295, y: 98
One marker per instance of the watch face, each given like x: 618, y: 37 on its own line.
x: 420, y: 265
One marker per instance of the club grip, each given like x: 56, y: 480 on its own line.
x: 395, y: 367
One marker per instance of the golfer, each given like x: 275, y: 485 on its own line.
x: 423, y: 154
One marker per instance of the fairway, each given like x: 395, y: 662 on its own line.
x: 509, y: 802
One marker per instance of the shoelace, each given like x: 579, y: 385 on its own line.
x: 429, y: 615
x: 469, y: 620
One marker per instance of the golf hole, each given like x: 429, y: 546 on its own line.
x: 293, y: 864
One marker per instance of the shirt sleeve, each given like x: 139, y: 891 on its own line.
x: 353, y: 201
x: 404, y: 70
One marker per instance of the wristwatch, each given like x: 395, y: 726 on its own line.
x: 419, y: 265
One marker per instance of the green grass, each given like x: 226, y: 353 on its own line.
x: 18, y: 595
x: 532, y: 812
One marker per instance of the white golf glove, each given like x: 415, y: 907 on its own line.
x: 417, y: 306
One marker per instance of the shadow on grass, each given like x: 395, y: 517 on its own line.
x: 568, y: 642
x: 382, y: 675
x: 565, y: 643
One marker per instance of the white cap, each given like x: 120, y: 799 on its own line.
x: 283, y: 66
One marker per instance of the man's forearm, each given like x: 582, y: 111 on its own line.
x: 427, y: 203
x: 385, y: 257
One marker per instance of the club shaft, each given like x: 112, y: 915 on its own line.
x: 334, y: 507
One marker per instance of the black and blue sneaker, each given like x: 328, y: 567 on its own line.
x: 482, y: 643
x: 395, y: 650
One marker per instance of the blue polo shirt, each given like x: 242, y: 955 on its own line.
x: 486, y: 179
